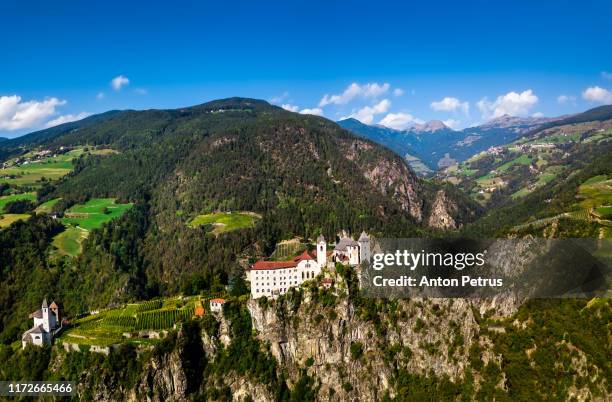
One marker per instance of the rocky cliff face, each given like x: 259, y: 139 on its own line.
x: 390, y: 176
x: 442, y: 211
x: 340, y: 347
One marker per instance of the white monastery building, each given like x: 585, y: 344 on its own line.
x: 273, y: 278
x: 47, y: 324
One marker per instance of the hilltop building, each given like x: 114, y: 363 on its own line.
x: 273, y: 278
x: 47, y: 324
x: 216, y: 305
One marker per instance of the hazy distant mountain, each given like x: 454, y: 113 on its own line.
x: 430, y: 127
x: 516, y: 122
x: 437, y: 145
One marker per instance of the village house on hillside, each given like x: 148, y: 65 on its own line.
x: 47, y: 324
x: 273, y: 278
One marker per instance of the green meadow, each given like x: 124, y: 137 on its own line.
x: 596, y: 192
x: 226, y: 221
x: 32, y: 173
x: 81, y: 218
x: 70, y: 240
x: 10, y: 198
x: 94, y: 213
x: 7, y: 219
x: 47, y: 207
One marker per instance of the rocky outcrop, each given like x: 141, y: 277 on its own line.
x: 419, y: 335
x: 389, y: 175
x: 163, y: 379
x: 442, y: 212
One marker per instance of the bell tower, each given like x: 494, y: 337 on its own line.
x: 321, y: 251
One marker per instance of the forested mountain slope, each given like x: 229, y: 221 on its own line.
x: 303, y: 175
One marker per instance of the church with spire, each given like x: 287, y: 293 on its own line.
x: 47, y: 324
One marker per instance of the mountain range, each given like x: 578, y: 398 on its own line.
x: 433, y: 145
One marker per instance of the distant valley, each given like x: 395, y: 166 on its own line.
x: 434, y: 145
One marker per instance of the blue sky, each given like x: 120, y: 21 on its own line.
x: 389, y: 62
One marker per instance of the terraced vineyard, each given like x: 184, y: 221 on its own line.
x: 109, y: 326
x: 162, y: 319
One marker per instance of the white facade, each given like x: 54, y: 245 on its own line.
x: 216, y: 305
x: 273, y: 278
x: 46, y: 325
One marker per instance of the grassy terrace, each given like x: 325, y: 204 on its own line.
x: 596, y: 192
x: 47, y: 207
x: 7, y: 219
x: 94, y: 213
x: 226, y: 221
x: 81, y: 218
x: 109, y: 326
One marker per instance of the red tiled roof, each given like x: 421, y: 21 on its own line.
x: 217, y: 300
x: 327, y: 280
x: 304, y: 256
x: 262, y: 265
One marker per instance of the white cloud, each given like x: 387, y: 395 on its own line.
x: 296, y: 109
x: 606, y: 75
x: 15, y: 114
x: 565, y: 99
x: 317, y: 111
x: 119, y: 82
x: 450, y: 104
x: 370, y: 90
x: 67, y: 118
x: 289, y: 107
x: 100, y: 95
x: 452, y: 123
x: 537, y: 114
x: 279, y: 98
x: 597, y: 94
x: 512, y: 103
x: 366, y: 114
x: 398, y: 92
x: 399, y: 121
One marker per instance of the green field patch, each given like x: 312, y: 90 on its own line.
x: 103, y: 151
x: 595, y: 192
x: 47, y: 207
x: 31, y: 173
x: 70, y: 241
x: 604, y: 212
x: 7, y: 219
x: 521, y: 160
x: 490, y: 181
x: 15, y: 197
x: 81, y: 218
x: 94, y: 213
x: 226, y: 221
x: 544, y: 178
